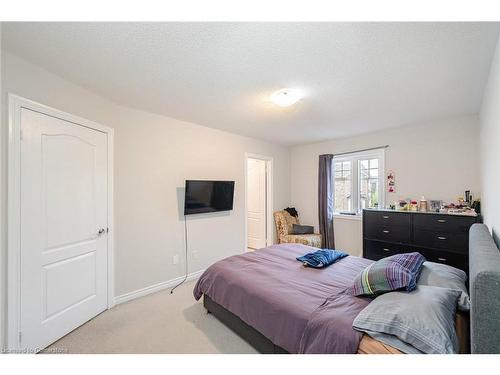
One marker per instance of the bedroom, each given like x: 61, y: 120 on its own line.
x: 381, y: 137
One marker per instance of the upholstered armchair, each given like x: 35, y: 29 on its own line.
x: 284, y: 226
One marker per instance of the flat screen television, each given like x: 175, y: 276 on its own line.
x: 208, y: 196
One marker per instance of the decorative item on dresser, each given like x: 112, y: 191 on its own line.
x: 439, y: 237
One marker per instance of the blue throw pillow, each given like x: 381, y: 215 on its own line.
x: 321, y: 258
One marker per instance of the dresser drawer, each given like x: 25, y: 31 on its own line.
x: 390, y: 233
x: 443, y: 223
x: 377, y: 250
x: 457, y: 242
x: 384, y: 218
x: 456, y: 260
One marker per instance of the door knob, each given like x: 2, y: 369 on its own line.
x: 101, y: 231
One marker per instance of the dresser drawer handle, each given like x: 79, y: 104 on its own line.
x: 385, y: 217
x: 441, y: 238
x: 441, y: 221
x: 386, y: 249
x: 385, y: 231
x: 442, y: 259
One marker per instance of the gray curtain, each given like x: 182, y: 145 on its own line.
x: 325, y: 200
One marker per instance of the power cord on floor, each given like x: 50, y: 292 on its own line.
x: 186, y: 256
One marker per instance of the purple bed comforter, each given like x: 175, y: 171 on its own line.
x: 301, y: 309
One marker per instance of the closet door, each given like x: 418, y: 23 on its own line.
x: 64, y: 245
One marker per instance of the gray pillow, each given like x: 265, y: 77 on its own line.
x: 422, y: 320
x: 302, y: 229
x: 443, y: 276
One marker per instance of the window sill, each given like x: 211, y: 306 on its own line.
x: 356, y: 217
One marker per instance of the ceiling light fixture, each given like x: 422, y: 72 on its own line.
x: 286, y: 97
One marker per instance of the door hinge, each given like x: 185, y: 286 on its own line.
x: 21, y: 134
x: 20, y: 337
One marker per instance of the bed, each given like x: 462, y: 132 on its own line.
x: 279, y: 306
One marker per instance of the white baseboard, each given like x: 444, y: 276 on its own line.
x: 155, y: 288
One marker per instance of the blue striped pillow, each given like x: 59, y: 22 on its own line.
x: 396, y: 272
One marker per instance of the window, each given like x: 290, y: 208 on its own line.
x: 343, y: 186
x: 358, y: 181
x: 368, y: 183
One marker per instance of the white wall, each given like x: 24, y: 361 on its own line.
x: 490, y: 148
x: 439, y: 160
x: 153, y: 157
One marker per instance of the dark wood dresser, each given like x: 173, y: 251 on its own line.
x: 439, y: 237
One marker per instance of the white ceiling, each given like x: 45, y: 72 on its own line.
x: 358, y: 77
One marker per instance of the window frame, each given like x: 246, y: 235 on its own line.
x: 354, y: 158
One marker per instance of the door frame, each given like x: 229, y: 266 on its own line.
x: 16, y: 103
x: 269, y: 196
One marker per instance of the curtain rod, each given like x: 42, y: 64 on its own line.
x: 366, y: 149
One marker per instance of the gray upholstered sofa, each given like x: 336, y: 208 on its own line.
x: 484, y: 273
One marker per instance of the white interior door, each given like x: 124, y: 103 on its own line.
x: 256, y: 203
x: 63, y: 227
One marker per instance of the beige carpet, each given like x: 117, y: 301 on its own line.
x: 158, y: 323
